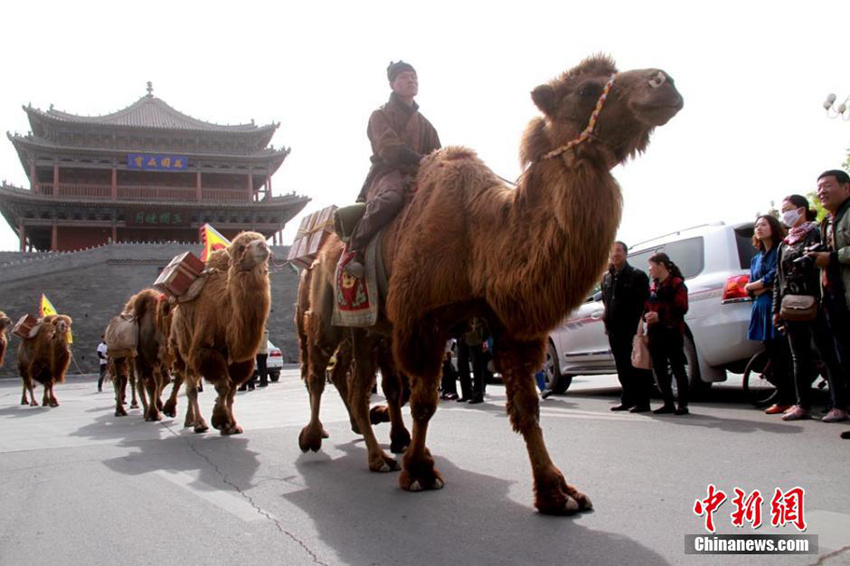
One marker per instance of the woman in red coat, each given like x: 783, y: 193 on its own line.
x: 665, y: 318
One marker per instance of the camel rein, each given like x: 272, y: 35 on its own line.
x: 591, y: 124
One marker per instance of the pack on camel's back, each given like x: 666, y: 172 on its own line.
x: 469, y: 246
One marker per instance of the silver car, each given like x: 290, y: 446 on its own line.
x: 715, y: 260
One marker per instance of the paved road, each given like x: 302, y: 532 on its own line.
x: 81, y: 486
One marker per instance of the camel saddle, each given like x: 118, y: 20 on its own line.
x: 122, y: 336
x: 357, y: 301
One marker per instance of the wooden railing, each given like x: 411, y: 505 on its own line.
x: 225, y: 194
x: 72, y: 190
x: 157, y: 193
x: 140, y: 192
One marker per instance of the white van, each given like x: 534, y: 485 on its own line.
x: 715, y: 260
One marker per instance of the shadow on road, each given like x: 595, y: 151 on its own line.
x: 366, y: 518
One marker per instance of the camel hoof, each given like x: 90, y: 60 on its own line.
x: 399, y: 442
x: 325, y: 434
x: 384, y: 465
x: 232, y: 429
x: 379, y: 414
x: 309, y: 441
x: 134, y: 405
x: 554, y: 496
x: 170, y: 409
x: 34, y: 404
x: 120, y: 413
x: 54, y: 403
x: 200, y: 428
x: 421, y: 484
x: 24, y: 402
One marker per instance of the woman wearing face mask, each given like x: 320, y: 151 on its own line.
x: 767, y: 233
x: 665, y: 319
x: 798, y: 276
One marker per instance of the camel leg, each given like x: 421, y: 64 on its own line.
x: 310, y: 437
x: 193, y: 411
x: 28, y: 386
x: 238, y: 374
x: 54, y: 402
x: 360, y: 392
x: 170, y: 407
x: 518, y: 361
x: 392, y: 386
x: 425, y: 353
x: 134, y: 402
x: 119, y: 381
x: 150, y: 386
x: 162, y: 379
x: 339, y: 377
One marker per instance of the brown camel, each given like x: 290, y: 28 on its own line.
x: 467, y: 245
x: 5, y: 323
x: 45, y: 359
x: 319, y: 340
x: 218, y: 334
x: 150, y: 367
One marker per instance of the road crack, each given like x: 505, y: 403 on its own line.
x: 246, y: 497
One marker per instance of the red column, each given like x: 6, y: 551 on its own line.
x: 33, y: 177
x: 22, y: 234
x: 250, y: 186
x: 114, y: 183
x: 199, y: 193
x: 56, y: 180
x: 54, y: 237
x: 114, y: 233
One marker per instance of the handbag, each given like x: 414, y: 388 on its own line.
x: 798, y: 308
x: 640, y: 349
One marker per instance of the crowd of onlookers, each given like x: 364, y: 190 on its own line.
x: 800, y: 285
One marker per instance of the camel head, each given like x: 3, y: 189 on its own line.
x: 249, y: 251
x: 5, y: 321
x: 638, y: 101
x: 61, y: 324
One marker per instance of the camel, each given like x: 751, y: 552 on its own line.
x: 468, y: 245
x: 319, y: 340
x: 150, y: 367
x: 45, y: 359
x: 218, y: 334
x: 5, y: 323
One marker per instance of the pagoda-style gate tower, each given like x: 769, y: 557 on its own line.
x: 147, y: 173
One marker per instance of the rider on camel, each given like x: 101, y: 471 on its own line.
x: 400, y: 138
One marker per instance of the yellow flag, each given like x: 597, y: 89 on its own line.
x: 212, y: 241
x: 47, y: 309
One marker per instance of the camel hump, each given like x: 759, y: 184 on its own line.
x: 143, y: 302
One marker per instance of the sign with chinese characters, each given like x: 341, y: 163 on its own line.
x: 161, y: 218
x: 786, y: 508
x: 147, y: 162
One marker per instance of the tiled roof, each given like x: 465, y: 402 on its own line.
x: 149, y: 112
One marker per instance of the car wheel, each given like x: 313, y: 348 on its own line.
x: 274, y: 376
x: 552, y: 374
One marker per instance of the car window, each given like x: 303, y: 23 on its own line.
x: 746, y: 250
x: 687, y: 254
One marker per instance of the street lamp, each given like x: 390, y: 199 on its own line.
x: 841, y: 110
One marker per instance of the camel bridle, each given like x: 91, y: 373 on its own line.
x: 591, y: 124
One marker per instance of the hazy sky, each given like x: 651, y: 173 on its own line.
x: 753, y: 75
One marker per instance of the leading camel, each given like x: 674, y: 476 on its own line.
x: 218, y: 334
x: 467, y: 245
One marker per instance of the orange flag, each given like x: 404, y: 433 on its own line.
x: 212, y: 241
